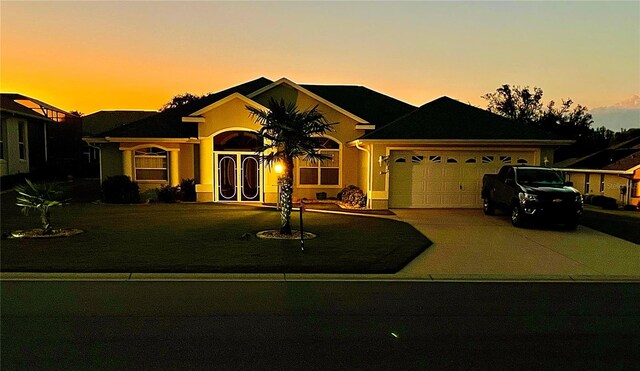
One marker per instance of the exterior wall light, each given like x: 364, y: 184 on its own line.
x: 278, y: 168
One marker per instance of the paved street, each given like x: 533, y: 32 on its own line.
x: 318, y: 325
x: 466, y: 242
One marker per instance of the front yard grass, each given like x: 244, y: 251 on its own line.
x: 622, y: 224
x: 204, y: 238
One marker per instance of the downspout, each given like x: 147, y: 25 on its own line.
x: 369, y: 180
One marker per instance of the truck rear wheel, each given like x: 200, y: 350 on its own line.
x: 487, y: 206
x: 517, y: 216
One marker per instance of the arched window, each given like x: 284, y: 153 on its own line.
x: 150, y: 164
x: 327, y: 172
x: 237, y: 140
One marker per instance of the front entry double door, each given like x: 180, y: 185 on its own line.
x: 238, y: 177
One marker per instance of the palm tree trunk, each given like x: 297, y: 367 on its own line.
x: 286, y: 202
x: 45, y: 218
x: 286, y: 199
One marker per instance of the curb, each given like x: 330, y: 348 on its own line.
x: 298, y: 277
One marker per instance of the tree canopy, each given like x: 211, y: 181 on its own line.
x: 180, y: 100
x: 569, y: 120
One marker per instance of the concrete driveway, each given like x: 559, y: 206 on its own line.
x: 468, y: 243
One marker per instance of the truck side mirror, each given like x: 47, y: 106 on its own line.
x: 568, y: 184
x: 509, y: 181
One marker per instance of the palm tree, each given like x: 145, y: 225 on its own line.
x: 40, y: 197
x: 289, y: 134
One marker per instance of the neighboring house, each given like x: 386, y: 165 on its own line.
x: 33, y: 135
x: 102, y: 121
x: 612, y: 172
x: 400, y: 155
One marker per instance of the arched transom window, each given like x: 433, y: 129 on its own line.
x: 325, y: 173
x: 151, y: 164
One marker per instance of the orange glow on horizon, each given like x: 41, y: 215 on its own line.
x: 140, y: 55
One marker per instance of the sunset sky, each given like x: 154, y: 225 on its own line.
x: 89, y: 56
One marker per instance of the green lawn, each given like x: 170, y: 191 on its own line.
x: 203, y: 238
x: 619, y: 223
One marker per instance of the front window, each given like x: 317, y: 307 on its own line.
x: 151, y: 164
x: 326, y: 172
x: 22, y: 145
x: 586, y: 183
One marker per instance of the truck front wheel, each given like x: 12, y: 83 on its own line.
x: 517, y: 216
x: 487, y: 206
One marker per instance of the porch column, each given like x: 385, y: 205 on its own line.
x: 173, y: 168
x: 127, y: 163
x: 206, y: 161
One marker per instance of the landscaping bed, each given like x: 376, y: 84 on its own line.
x: 189, y: 237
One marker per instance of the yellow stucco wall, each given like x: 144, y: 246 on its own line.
x: 11, y: 162
x: 233, y: 115
x: 610, y: 188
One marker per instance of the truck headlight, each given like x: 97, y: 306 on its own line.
x: 579, y: 199
x: 524, y: 197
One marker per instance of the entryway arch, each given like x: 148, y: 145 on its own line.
x: 238, y: 172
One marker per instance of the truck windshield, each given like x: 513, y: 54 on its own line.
x: 539, y: 176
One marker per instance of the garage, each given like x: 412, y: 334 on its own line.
x: 445, y: 178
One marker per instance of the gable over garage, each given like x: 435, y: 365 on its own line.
x: 436, y: 155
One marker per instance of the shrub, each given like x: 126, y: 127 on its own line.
x: 120, y: 189
x: 630, y: 208
x: 588, y: 199
x: 168, y: 194
x: 604, y: 202
x: 352, y: 195
x: 188, y: 190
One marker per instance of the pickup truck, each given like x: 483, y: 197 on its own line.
x: 529, y: 192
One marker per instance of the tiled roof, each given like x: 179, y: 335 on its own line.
x: 101, y: 121
x: 168, y: 124
x: 446, y: 118
x: 620, y: 156
x: 378, y: 109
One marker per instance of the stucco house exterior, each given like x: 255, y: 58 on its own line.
x: 35, y: 136
x: 612, y: 172
x: 400, y: 155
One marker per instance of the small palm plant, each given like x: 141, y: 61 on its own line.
x: 40, y: 197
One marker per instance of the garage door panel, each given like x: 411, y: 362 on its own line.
x: 431, y: 179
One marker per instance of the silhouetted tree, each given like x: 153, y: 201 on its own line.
x: 524, y: 105
x: 520, y: 104
x: 180, y: 100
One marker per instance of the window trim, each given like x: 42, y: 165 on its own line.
x: 22, y: 145
x: 2, y: 141
x: 166, y: 168
x: 319, y: 167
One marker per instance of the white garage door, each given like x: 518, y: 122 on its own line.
x: 431, y: 179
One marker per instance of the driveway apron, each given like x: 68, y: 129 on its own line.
x: 467, y: 242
